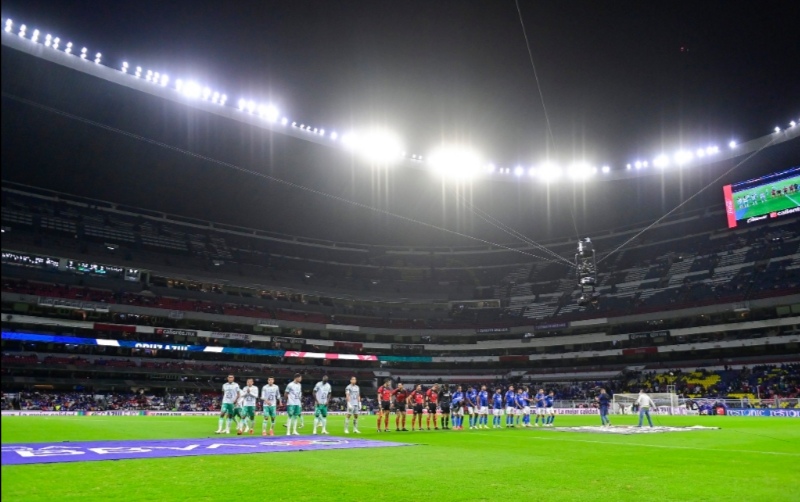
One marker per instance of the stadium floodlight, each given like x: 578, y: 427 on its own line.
x: 284, y: 121
x: 192, y: 90
x: 269, y: 112
x: 732, y: 144
x: 97, y: 58
x: 638, y: 164
x: 302, y: 126
x: 124, y: 67
x: 606, y: 169
x: 518, y: 171
x: 579, y: 171
x: 711, y: 150
x: 156, y: 77
x: 645, y: 164
x: 251, y: 106
x: 22, y: 29
x: 532, y: 172
x: 683, y: 156
x: 456, y: 161
x: 777, y: 129
x: 35, y: 36
x: 628, y: 167
x: 9, y: 25
x: 322, y: 133
x: 375, y: 145
x: 48, y: 40
x: 84, y: 52
x: 215, y: 97
x: 223, y: 99
x: 164, y: 80
x: 206, y: 93
x: 792, y: 123
x: 661, y: 161
x: 57, y: 41
x: 549, y: 171
x: 700, y: 152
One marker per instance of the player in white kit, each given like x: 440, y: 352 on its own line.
x: 322, y: 394
x: 352, y: 394
x: 271, y: 395
x: 230, y: 394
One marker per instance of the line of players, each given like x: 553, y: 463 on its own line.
x: 239, y: 405
x: 475, y: 404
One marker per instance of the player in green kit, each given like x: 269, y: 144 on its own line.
x: 249, y: 399
x: 294, y: 404
x: 271, y: 395
x: 322, y: 394
x: 230, y: 394
x: 238, y: 413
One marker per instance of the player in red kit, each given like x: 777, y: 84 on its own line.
x: 385, y: 400
x: 432, y: 398
x: 417, y: 398
x: 400, y: 400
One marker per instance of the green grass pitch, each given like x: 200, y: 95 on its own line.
x: 748, y: 459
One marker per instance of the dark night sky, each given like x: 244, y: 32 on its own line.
x: 615, y: 79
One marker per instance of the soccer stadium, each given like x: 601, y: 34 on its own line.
x: 362, y: 251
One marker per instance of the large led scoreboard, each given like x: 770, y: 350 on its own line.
x: 764, y: 198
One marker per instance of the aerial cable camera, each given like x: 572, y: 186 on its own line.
x: 586, y: 270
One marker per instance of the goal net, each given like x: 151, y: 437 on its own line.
x: 622, y: 404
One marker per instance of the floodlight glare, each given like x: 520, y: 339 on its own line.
x: 549, y: 171
x: 9, y: 25
x: 579, y: 171
x: 97, y: 58
x: 22, y: 29
x: 732, y: 145
x: 48, y: 40
x: 251, y: 106
x: 284, y: 121
x: 83, y: 53
x: 192, y: 90
x: 334, y: 135
x: 376, y: 145
x: 68, y: 50
x: 683, y: 156
x: 645, y: 164
x: 242, y: 104
x: 700, y: 152
x: 455, y: 161
x: 35, y: 37
x: 215, y: 97
x: 777, y: 129
x: 661, y: 161
x: 606, y: 169
x: 792, y: 123
x: 56, y: 41
x: 628, y: 167
x: 638, y: 164
x: 518, y: 171
x: 223, y: 99
x: 164, y: 80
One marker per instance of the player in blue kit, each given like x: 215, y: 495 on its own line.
x: 539, y: 399
x: 472, y: 407
x: 483, y: 408
x: 457, y: 411
x: 519, y: 405
x: 526, y: 407
x: 550, y: 412
x: 497, y: 408
x: 511, y: 406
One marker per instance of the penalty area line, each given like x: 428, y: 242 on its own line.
x: 669, y: 447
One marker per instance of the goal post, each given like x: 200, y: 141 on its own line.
x: 622, y: 403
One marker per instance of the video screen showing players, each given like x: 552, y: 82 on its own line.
x: 765, y: 198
